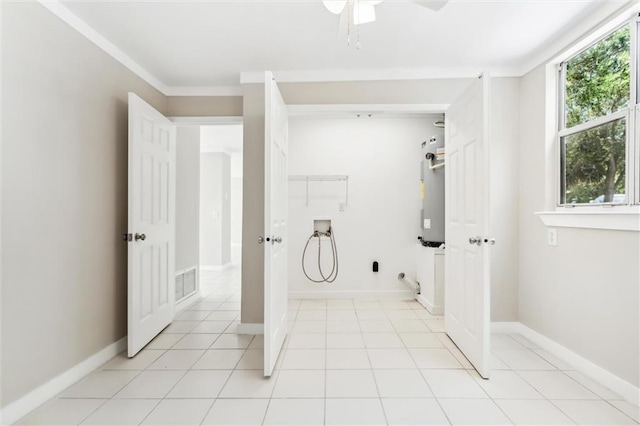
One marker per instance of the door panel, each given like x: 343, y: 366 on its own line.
x: 467, y: 275
x: 276, y: 211
x: 151, y: 268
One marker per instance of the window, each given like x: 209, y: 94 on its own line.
x: 595, y: 115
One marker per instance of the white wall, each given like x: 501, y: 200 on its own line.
x: 381, y: 223
x: 215, y: 210
x: 187, y: 196
x: 583, y: 294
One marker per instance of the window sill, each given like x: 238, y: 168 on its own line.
x: 627, y: 220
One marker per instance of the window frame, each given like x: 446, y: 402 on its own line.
x: 631, y: 114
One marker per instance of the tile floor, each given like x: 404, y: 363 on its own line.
x: 345, y: 362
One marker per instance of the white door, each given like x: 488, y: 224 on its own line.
x: 467, y: 275
x: 151, y: 259
x: 275, y: 224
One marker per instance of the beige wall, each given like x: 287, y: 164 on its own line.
x: 204, y: 106
x: 187, y: 196
x: 583, y: 294
x: 64, y: 196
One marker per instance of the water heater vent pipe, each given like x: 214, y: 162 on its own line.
x: 412, y: 284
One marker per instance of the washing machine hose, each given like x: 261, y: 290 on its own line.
x: 334, y: 251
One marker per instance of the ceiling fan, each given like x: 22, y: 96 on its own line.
x: 363, y: 11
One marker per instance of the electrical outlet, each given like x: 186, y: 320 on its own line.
x: 552, y: 237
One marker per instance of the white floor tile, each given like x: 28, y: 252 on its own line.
x: 222, y: 316
x: 473, y: 412
x: 252, y: 360
x: 229, y: 306
x: 151, y: 384
x: 423, y: 314
x: 506, y: 385
x: 248, y: 384
x: 344, y: 341
x: 602, y: 391
x: 351, y: 384
x: 410, y: 326
x: 366, y: 304
x: 180, y: 327
x: 100, y: 384
x: 232, y: 341
x: 60, y: 412
x: 309, y: 326
x: 320, y: 305
x: 303, y: 359
x: 343, y: 326
x: 402, y: 314
x: 347, y: 359
x: 371, y: 314
x: 453, y: 384
x: 307, y: 341
x: 496, y: 364
x: 257, y: 342
x: 215, y: 327
x: 300, y: 384
x: 122, y: 412
x: 341, y: 412
x: 376, y: 326
x: 556, y: 385
x: 141, y: 361
x: 176, y: 360
x: 401, y: 383
x: 412, y: 411
x: 192, y: 315
x: 340, y: 304
x: 382, y: 340
x: 219, y: 359
x: 179, y: 412
x: 342, y: 315
x: 504, y: 341
x: 593, y: 413
x: 295, y: 412
x: 196, y: 341
x: 553, y: 360
x: 200, y: 384
x: 434, y: 358
x: 162, y: 341
x: 420, y: 340
x: 524, y: 341
x: 436, y: 325
x: 245, y: 412
x: 311, y: 315
x: 534, y: 413
x: 522, y: 359
x: 395, y: 304
x: 205, y: 306
x: 627, y: 408
x: 390, y: 358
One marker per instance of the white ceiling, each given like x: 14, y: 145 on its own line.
x: 209, y: 43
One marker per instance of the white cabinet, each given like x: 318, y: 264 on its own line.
x: 430, y: 274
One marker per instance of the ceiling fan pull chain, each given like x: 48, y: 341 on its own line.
x: 349, y: 22
x: 358, y: 28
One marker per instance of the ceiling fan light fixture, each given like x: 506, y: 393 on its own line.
x: 335, y: 6
x: 363, y: 13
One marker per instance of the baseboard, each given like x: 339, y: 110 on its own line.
x: 248, y: 328
x: 215, y: 267
x: 620, y: 386
x: 388, y: 294
x: 185, y: 303
x: 23, y: 406
x: 434, y: 310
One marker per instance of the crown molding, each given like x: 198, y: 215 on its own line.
x: 204, y: 91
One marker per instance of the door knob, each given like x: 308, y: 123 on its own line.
x: 475, y: 240
x: 140, y: 237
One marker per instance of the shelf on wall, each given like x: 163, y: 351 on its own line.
x: 322, y: 178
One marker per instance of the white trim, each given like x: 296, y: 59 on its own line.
x: 187, y: 302
x: 249, y: 328
x: 216, y: 267
x: 351, y: 109
x: 330, y: 294
x: 204, y: 91
x: 434, y: 310
x: 58, y: 9
x: 612, y: 220
x: 623, y: 388
x: 23, y: 406
x: 205, y: 121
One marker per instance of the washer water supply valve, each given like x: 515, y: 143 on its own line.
x: 322, y: 228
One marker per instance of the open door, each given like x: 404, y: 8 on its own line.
x: 275, y: 224
x: 467, y: 275
x: 151, y: 237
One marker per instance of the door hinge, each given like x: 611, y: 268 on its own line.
x: 127, y: 237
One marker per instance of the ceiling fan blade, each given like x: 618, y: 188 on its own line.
x: 363, y: 13
x: 431, y: 4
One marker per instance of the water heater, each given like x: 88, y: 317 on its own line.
x: 433, y: 190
